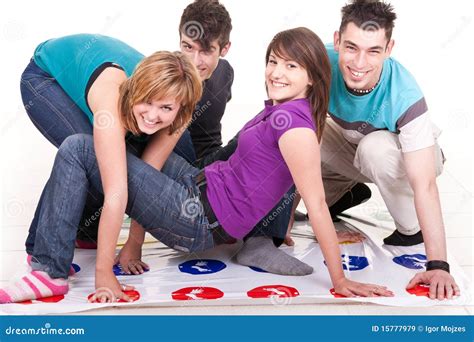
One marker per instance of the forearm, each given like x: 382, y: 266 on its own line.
x: 136, y: 234
x: 428, y: 209
x: 325, y: 233
x: 109, y: 229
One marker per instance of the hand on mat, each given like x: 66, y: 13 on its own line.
x: 351, y: 288
x: 130, y: 257
x: 348, y: 236
x: 108, y: 289
x: 442, y: 284
x: 288, y: 240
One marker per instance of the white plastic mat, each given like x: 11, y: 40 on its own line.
x: 213, y: 277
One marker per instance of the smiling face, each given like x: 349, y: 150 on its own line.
x: 286, y: 80
x: 205, y: 60
x: 361, y: 55
x: 157, y: 114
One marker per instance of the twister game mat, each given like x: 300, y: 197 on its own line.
x: 214, y: 278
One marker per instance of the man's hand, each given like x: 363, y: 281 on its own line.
x: 442, y: 284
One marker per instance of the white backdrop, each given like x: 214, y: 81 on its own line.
x: 433, y: 41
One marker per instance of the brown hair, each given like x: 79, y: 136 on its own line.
x: 369, y: 15
x: 204, y: 21
x: 305, y: 48
x: 163, y: 74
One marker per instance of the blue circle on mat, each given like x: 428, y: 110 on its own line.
x: 412, y: 261
x: 257, y: 269
x: 76, y: 267
x: 202, y: 266
x: 353, y: 263
x: 118, y: 271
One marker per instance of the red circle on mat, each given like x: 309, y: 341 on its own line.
x: 267, y: 291
x: 420, y: 290
x: 134, y: 296
x: 335, y: 294
x: 52, y: 299
x: 197, y: 293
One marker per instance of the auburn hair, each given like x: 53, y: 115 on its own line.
x: 163, y: 74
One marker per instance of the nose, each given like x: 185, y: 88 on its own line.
x: 277, y: 71
x: 152, y: 113
x: 360, y: 60
x: 197, y: 58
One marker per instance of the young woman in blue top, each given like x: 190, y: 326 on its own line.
x: 99, y: 85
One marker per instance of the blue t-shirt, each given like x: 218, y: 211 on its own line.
x: 395, y: 104
x: 72, y: 60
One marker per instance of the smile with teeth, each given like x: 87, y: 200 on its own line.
x: 357, y: 74
x: 152, y: 123
x: 279, y: 84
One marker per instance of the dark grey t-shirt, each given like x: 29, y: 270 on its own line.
x: 206, y: 126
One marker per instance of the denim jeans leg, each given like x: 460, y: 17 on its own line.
x: 155, y: 200
x: 185, y: 149
x: 54, y: 114
x: 275, y: 223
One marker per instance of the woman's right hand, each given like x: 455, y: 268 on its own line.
x: 349, y: 288
x: 108, y: 289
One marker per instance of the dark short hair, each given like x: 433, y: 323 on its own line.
x: 369, y: 15
x: 204, y: 21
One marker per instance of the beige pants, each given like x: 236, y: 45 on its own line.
x: 376, y: 159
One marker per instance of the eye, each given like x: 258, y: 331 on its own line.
x: 187, y: 47
x: 167, y: 108
x: 292, y: 66
x: 374, y: 52
x: 350, y: 48
x: 272, y: 61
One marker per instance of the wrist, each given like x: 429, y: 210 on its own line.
x: 437, y: 265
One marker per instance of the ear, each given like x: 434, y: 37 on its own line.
x: 389, y: 48
x: 337, y: 41
x: 225, y: 49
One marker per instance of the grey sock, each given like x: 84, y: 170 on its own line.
x: 261, y: 252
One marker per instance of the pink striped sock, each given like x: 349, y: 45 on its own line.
x: 72, y: 271
x: 34, y: 285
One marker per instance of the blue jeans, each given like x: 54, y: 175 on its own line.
x: 167, y: 204
x: 185, y: 149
